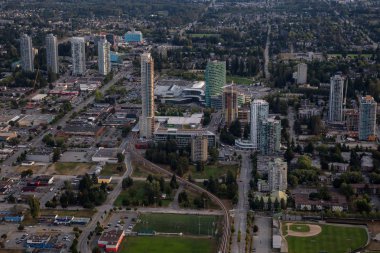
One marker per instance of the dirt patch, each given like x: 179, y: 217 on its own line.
x: 37, y: 169
x: 71, y: 168
x: 313, y: 230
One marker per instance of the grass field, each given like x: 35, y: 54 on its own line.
x: 239, y: 80
x: 299, y: 228
x: 112, y: 169
x: 135, y: 195
x: 177, y: 223
x: 332, y: 239
x: 167, y: 245
x: 216, y: 171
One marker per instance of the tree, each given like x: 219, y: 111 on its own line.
x: 255, y: 229
x: 96, y: 250
x: 276, y: 204
x: 247, y: 131
x: 56, y: 154
x: 125, y: 131
x: 26, y: 173
x: 98, y: 96
x: 34, y: 206
x: 173, y: 182
x: 120, y: 157
x: 214, y: 154
x: 235, y: 128
x: 283, y: 204
x: 127, y: 182
x: 200, y: 166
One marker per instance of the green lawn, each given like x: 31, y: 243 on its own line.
x: 134, y: 194
x: 299, y: 228
x: 112, y: 169
x: 216, y: 171
x: 239, y: 80
x: 167, y: 245
x: 177, y: 223
x: 332, y: 239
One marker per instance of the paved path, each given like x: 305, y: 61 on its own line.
x: 175, y: 204
x: 263, y: 240
x: 266, y: 54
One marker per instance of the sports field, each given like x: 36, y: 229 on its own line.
x: 157, y: 244
x: 178, y: 223
x: 332, y: 239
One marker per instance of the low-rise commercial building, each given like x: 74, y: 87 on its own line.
x: 111, y: 240
x: 183, y: 136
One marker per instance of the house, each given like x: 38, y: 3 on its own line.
x: 104, y: 179
x: 337, y: 203
x: 111, y: 240
x: 6, y: 136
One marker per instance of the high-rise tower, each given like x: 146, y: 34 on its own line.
x: 336, y: 98
x: 78, y: 54
x: 104, y: 58
x: 52, y: 53
x: 367, y: 118
x: 27, y: 55
x: 146, y: 121
x: 215, y: 76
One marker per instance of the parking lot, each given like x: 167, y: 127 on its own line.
x: 121, y: 220
x: 63, y: 235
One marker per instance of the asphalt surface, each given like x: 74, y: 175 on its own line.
x: 240, y: 212
x: 262, y: 242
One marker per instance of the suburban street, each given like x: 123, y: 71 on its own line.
x: 240, y: 212
x: 82, y: 242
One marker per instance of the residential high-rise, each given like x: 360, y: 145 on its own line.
x: 336, y: 98
x: 215, y: 76
x: 277, y: 175
x: 104, y: 58
x: 367, y: 118
x: 52, y: 53
x: 301, y: 73
x: 27, y: 55
x: 259, y: 113
x: 230, y: 104
x: 78, y: 54
x: 270, y: 136
x: 199, y: 148
x: 146, y: 121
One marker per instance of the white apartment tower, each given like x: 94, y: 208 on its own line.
x: 78, y: 54
x: 277, y: 175
x: 301, y: 73
x: 259, y: 112
x: 27, y: 55
x: 104, y: 60
x: 336, y: 98
x: 146, y: 121
x: 52, y: 53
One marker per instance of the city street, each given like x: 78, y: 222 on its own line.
x: 242, y: 207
